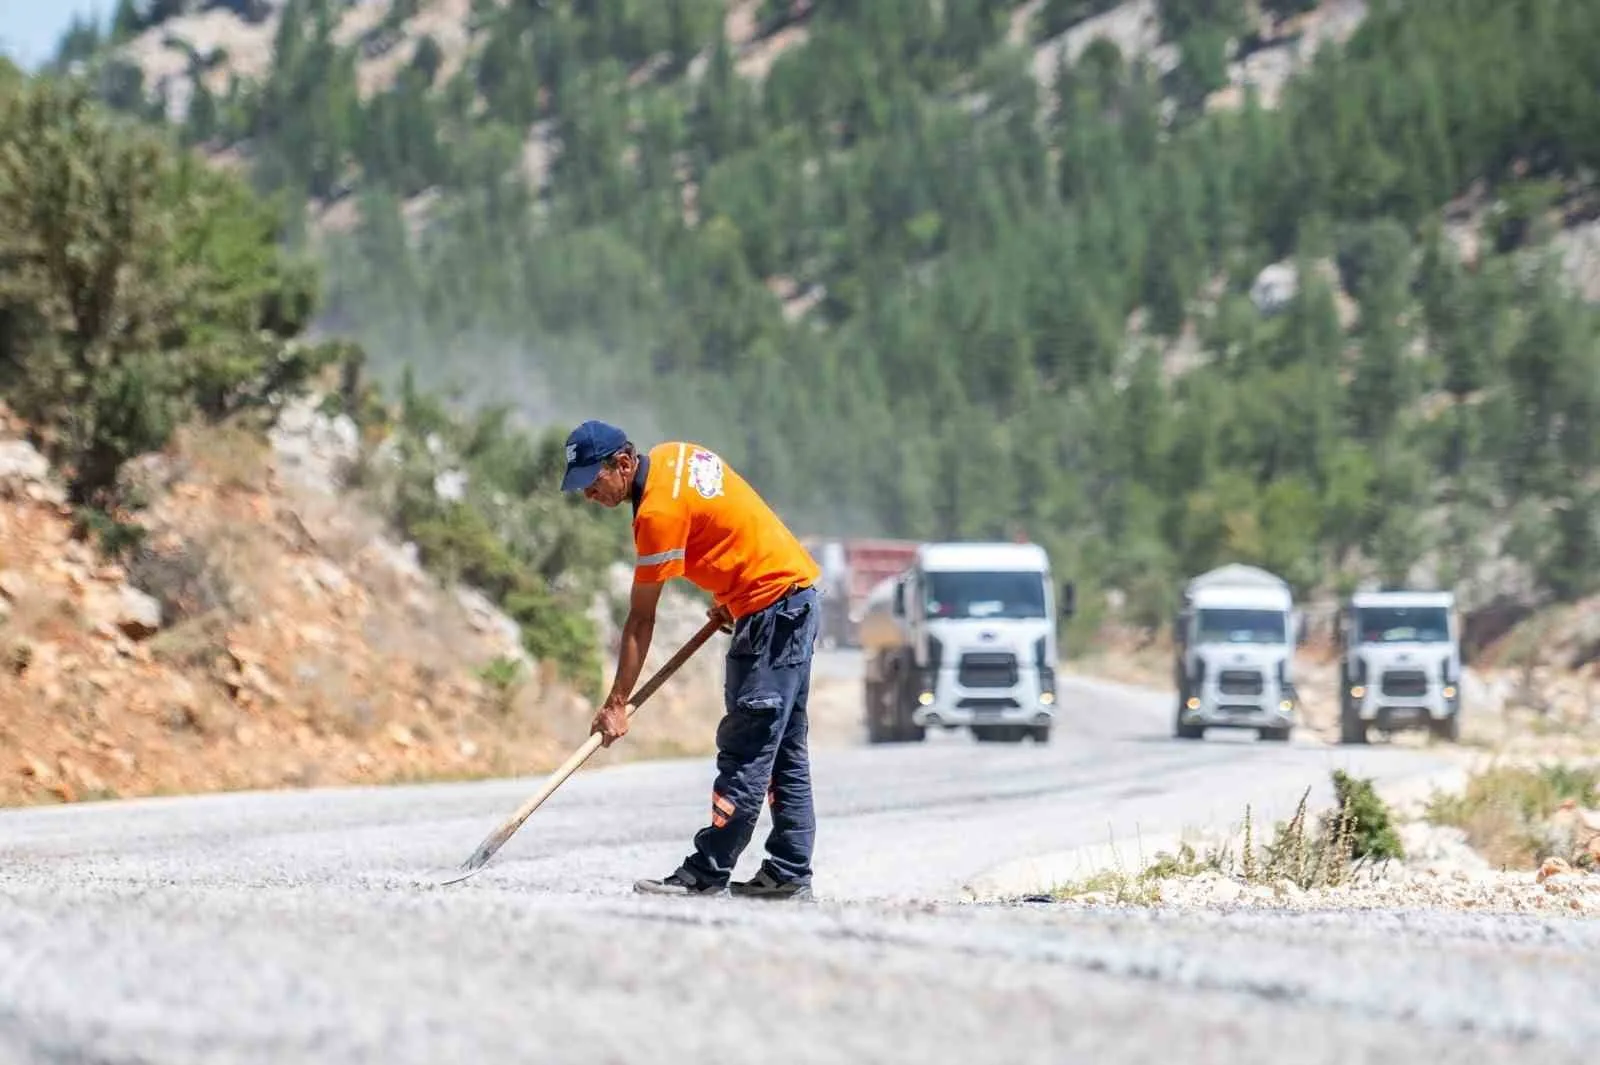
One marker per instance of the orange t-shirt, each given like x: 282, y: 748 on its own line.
x: 699, y: 520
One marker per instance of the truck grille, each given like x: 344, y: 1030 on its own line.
x: 987, y: 670
x: 1240, y: 682
x: 1405, y: 682
x: 990, y: 707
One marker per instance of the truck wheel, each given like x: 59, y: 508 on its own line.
x: 1351, y: 728
x: 1183, y: 731
x: 902, y: 728
x: 1040, y: 733
x: 1448, y: 730
x: 1274, y: 735
x: 872, y: 696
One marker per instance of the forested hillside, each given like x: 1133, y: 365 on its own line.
x: 196, y: 591
x: 911, y: 290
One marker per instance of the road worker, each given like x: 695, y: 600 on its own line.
x: 694, y: 517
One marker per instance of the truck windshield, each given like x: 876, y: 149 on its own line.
x: 1404, y: 624
x: 1013, y: 594
x: 1242, y: 626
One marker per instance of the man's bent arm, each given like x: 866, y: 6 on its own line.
x: 636, y: 633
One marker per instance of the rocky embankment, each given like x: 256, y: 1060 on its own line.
x: 1444, y: 874
x: 265, y: 632
x: 1504, y: 834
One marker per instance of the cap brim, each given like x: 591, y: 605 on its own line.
x: 580, y: 477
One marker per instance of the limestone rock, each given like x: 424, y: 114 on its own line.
x: 25, y: 474
x: 312, y: 448
x: 13, y: 585
x: 138, y: 614
x: 1274, y: 287
x: 489, y: 620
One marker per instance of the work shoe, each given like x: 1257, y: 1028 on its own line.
x: 766, y: 886
x: 677, y: 883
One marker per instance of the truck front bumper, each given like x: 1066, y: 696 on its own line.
x: 1232, y: 711
x: 1400, y: 711
x: 989, y: 708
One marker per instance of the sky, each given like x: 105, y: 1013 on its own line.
x: 29, y: 29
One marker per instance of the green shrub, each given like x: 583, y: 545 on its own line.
x: 138, y: 286
x: 1369, y: 827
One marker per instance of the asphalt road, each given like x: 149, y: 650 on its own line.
x: 309, y: 926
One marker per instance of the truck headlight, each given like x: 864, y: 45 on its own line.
x: 1358, y: 692
x: 1449, y: 691
x: 926, y: 698
x: 1047, y: 698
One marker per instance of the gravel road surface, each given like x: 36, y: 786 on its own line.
x: 310, y: 926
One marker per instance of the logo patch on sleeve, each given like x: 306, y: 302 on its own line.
x: 705, y: 473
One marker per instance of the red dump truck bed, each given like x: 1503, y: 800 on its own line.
x: 851, y: 568
x: 870, y: 561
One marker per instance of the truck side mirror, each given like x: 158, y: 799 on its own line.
x: 1069, y: 599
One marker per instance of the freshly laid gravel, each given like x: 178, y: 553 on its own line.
x: 334, y: 974
x: 310, y: 926
x: 1568, y: 894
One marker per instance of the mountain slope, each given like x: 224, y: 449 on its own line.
x: 915, y: 293
x: 225, y: 560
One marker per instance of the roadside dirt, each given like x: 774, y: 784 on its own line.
x: 262, y: 636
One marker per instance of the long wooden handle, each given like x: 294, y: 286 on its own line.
x: 682, y: 655
x: 498, y: 837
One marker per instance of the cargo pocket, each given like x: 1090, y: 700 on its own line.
x: 747, y: 729
x: 794, y: 631
x: 752, y: 635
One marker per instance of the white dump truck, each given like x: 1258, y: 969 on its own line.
x: 1235, y: 636
x: 1399, y: 664
x: 964, y: 636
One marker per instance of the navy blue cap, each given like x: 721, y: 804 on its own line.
x: 589, y: 445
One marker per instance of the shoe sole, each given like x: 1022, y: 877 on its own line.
x: 681, y: 893
x: 802, y: 895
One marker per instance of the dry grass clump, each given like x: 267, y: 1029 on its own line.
x: 1310, y: 853
x: 1512, y: 815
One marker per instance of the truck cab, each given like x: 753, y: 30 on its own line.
x: 1235, y: 637
x: 964, y: 637
x: 1399, y: 664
